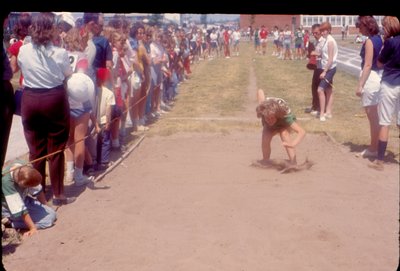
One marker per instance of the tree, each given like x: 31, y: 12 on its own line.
x: 203, y: 20
x: 156, y: 19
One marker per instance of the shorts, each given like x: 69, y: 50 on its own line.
x: 370, y: 92
x: 328, y: 81
x: 389, y: 104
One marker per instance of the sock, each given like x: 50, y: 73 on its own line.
x: 381, y: 149
x: 78, y: 173
x: 70, y: 166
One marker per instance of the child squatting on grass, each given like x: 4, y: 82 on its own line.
x: 277, y: 118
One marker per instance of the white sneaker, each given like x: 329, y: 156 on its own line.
x: 142, y: 128
x: 322, y: 118
x: 314, y: 113
x: 367, y: 153
x: 83, y: 180
x: 328, y: 116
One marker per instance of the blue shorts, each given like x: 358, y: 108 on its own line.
x: 328, y: 81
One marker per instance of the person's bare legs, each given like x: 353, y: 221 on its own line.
x: 322, y: 101
x: 372, y: 114
x: 266, y: 144
x: 329, y: 100
x: 81, y: 127
x: 285, y: 137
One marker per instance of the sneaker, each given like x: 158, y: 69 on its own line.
x: 322, y: 118
x: 377, y: 164
x: 328, y: 116
x: 142, y: 128
x: 367, y: 153
x: 101, y: 167
x: 308, y: 110
x: 63, y: 201
x: 314, y: 113
x: 83, y: 180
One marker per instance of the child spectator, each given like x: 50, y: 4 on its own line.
x: 23, y: 201
x: 276, y: 117
x: 106, y: 105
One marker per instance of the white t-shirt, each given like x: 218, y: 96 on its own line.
x: 107, y: 99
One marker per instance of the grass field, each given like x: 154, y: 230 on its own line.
x: 218, y: 88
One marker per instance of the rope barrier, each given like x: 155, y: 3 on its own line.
x: 74, y: 143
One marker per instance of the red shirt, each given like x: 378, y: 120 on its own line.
x: 263, y: 34
x: 14, y: 51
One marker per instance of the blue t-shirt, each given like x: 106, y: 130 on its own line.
x: 390, y: 57
x: 377, y: 44
x: 103, y: 52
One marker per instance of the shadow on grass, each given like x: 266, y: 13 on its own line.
x: 390, y: 156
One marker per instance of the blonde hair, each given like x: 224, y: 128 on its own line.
x: 272, y: 107
x: 76, y: 40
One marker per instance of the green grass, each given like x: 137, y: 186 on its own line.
x: 219, y: 88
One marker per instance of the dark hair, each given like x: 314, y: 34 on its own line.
x: 88, y: 17
x: 21, y: 29
x: 370, y: 23
x: 315, y: 26
x: 43, y: 28
x: 134, y: 30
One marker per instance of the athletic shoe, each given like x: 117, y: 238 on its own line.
x: 83, y: 180
x: 367, y: 153
x: 322, y: 118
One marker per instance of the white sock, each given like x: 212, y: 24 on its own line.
x: 70, y: 166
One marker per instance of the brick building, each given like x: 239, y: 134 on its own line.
x: 295, y: 20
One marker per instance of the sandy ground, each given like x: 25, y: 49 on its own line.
x: 191, y: 201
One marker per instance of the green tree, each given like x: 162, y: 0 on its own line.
x: 156, y: 19
x: 203, y: 19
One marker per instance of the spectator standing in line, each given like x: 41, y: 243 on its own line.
x: 257, y: 43
x: 104, y: 118
x: 319, y: 42
x: 236, y: 41
x: 75, y: 42
x: 22, y: 32
x: 263, y: 39
x: 343, y: 31
x: 275, y: 34
x: 287, y: 43
x: 227, y: 38
x: 328, y: 61
x: 7, y: 106
x: 44, y: 100
x: 138, y: 100
x: 389, y: 104
x: 370, y: 79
